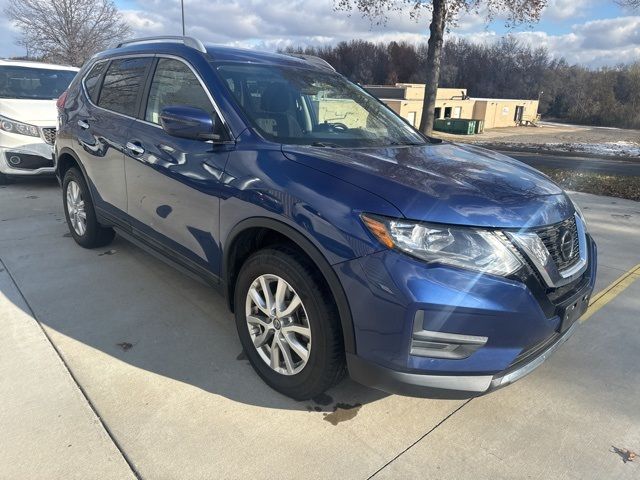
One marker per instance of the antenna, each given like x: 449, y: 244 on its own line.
x: 182, y: 7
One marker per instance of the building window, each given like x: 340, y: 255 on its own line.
x: 437, y: 113
x: 447, y: 112
x: 457, y: 112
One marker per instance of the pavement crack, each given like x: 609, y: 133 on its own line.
x: 73, y: 378
x: 418, y: 440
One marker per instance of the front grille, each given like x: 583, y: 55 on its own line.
x: 49, y: 135
x: 551, y: 237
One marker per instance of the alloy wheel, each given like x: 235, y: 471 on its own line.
x: 278, y: 324
x: 75, y: 208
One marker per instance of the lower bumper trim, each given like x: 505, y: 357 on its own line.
x: 444, y: 386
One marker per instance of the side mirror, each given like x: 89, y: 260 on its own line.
x: 189, y: 122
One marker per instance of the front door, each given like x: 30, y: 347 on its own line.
x: 174, y: 184
x: 519, y: 113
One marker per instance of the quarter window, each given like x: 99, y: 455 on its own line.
x: 122, y: 84
x: 175, y: 84
x: 92, y: 80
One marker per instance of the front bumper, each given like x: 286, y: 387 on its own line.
x: 21, y: 155
x: 445, y: 386
x: 520, y: 321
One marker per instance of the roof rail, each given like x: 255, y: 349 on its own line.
x: 188, y: 41
x: 312, y: 59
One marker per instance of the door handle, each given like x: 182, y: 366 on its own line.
x: 83, y: 125
x: 135, y: 148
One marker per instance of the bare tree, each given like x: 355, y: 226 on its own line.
x: 67, y: 31
x: 629, y: 3
x: 443, y: 14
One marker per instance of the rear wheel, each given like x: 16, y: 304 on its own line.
x: 80, y: 213
x: 288, y: 323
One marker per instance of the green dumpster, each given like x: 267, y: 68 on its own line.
x: 479, y: 126
x: 459, y: 126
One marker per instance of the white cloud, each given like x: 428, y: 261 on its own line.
x: 273, y: 24
x: 565, y: 9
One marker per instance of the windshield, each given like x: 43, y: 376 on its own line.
x: 309, y: 107
x: 33, y: 83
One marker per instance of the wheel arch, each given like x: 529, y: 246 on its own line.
x: 247, y: 231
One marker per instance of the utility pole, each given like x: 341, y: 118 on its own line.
x: 182, y: 6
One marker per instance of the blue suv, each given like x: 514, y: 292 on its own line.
x: 342, y: 239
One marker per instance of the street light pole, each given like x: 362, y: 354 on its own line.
x: 182, y: 6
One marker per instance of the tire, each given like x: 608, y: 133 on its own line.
x: 316, y: 316
x: 92, y: 235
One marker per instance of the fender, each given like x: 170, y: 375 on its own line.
x: 316, y: 256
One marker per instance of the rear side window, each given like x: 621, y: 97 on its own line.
x: 175, y: 84
x: 92, y: 80
x: 122, y: 85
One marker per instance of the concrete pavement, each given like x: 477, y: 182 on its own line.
x: 157, y: 356
x: 47, y: 427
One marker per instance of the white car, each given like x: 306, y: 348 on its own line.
x: 28, y: 115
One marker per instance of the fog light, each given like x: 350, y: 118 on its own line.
x: 453, y: 346
x: 15, y: 160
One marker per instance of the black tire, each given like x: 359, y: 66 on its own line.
x: 326, y: 364
x: 95, y: 235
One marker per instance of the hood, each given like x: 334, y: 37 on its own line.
x: 42, y: 113
x: 446, y: 183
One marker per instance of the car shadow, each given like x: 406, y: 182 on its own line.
x: 123, y: 302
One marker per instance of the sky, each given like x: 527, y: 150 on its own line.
x: 591, y: 32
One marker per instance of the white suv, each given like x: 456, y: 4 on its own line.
x: 28, y: 115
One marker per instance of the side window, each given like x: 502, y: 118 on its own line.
x: 175, y: 84
x: 92, y: 80
x: 122, y: 84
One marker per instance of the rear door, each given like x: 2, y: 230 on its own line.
x: 174, y: 184
x: 113, y: 90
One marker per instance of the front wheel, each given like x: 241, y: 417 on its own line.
x: 80, y: 213
x: 288, y: 323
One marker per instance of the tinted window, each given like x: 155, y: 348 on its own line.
x: 122, y: 85
x: 92, y: 80
x: 313, y: 107
x: 175, y: 84
x: 33, y: 83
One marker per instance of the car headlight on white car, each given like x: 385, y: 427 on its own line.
x: 476, y: 249
x: 13, y: 126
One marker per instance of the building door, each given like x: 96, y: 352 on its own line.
x: 411, y: 118
x: 519, y: 113
x: 457, y: 112
x: 437, y: 112
x: 447, y: 112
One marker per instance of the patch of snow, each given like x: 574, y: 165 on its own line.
x: 616, y: 149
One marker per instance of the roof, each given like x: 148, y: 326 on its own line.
x: 504, y: 99
x: 29, y: 63
x: 216, y: 52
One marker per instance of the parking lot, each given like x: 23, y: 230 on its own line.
x: 115, y: 365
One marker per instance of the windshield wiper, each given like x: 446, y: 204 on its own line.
x: 325, y: 144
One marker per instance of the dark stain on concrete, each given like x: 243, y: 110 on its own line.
x: 342, y: 412
x: 125, y: 346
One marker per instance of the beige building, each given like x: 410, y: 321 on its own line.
x: 406, y: 100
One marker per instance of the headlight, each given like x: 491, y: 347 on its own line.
x: 580, y: 214
x: 471, y: 248
x: 11, y: 126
